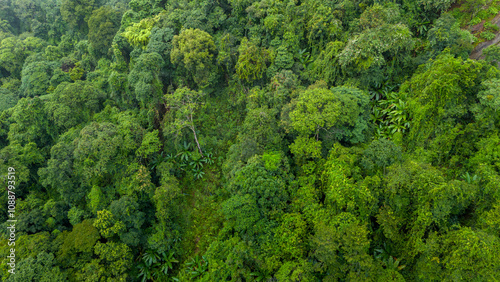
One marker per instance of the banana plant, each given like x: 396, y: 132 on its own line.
x: 304, y: 58
x: 159, y: 158
x: 155, y: 266
x: 167, y: 262
x: 383, y: 254
x: 184, y: 156
x: 393, y: 263
x: 390, y: 115
x: 377, y: 115
x: 470, y: 179
x: 197, y: 164
x: 208, y: 159
x: 198, y: 173
x: 197, y: 266
x: 381, y: 90
x: 261, y: 275
x: 422, y: 27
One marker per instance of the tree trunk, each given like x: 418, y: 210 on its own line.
x: 197, y: 143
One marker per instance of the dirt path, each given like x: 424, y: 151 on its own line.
x: 477, y: 53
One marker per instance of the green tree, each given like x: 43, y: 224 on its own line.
x: 10, y: 21
x: 25, y: 159
x: 78, y: 245
x: 146, y: 7
x: 323, y: 26
x: 489, y: 100
x: 229, y: 259
x: 42, y: 268
x: 151, y: 144
x: 161, y: 42
x: 291, y: 236
x: 12, y: 56
x: 446, y: 33
x: 439, y: 92
x: 13, y: 52
x: 128, y: 212
x: 114, y: 260
x: 438, y: 204
x: 7, y: 99
x: 339, y: 112
x: 59, y: 173
x: 145, y: 79
x: 193, y: 52
x: 485, y: 160
x: 186, y: 102
x: 367, y: 56
x: 342, y: 192
x: 341, y: 246
x: 138, y: 33
x: 378, y: 15
x: 492, y: 54
x: 136, y: 181
x: 77, y: 13
x: 74, y: 103
x: 30, y: 123
x: 252, y: 61
x: 167, y: 200
x: 258, y: 197
x: 103, y: 25
x: 108, y: 225
x: 461, y: 254
x: 35, y: 78
x: 260, y: 133
x: 441, y: 5
x: 326, y: 66
x: 103, y: 149
x: 381, y: 153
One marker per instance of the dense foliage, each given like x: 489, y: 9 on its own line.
x: 250, y: 140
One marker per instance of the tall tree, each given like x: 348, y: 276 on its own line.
x: 77, y: 13
x: 74, y: 103
x: 193, y: 51
x: 145, y: 79
x: 103, y: 25
x: 339, y: 113
x: 186, y: 103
